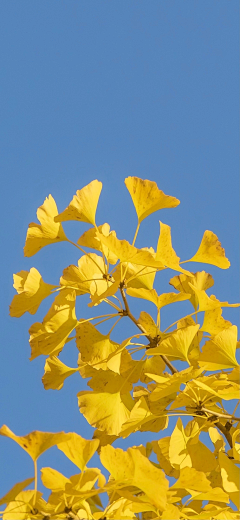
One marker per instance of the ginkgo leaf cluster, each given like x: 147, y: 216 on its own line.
x: 142, y: 383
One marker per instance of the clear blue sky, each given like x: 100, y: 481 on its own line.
x: 103, y: 90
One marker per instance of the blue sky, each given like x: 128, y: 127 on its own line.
x: 103, y: 90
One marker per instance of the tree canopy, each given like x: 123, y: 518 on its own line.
x: 187, y: 373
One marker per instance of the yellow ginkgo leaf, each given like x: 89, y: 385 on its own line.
x: 125, y: 252
x: 52, y: 479
x: 48, y: 232
x: 147, y: 198
x: 177, y: 344
x: 178, y: 452
x: 120, y: 508
x: 230, y: 478
x: 83, y: 205
x: 90, y: 239
x: 192, y: 479
x: 35, y: 443
x: 213, y: 322
x: 200, y: 280
x: 31, y: 291
x: 211, y: 252
x: 105, y: 411
x: 110, y: 403
x: 172, y: 512
x: 95, y: 347
x: 187, y: 451
x: 167, y: 385
x: 236, y: 444
x: 78, y: 450
x: 142, y: 419
x: 133, y: 468
x: 217, y: 495
x: 23, y: 504
x: 137, y: 276
x: 49, y: 337
x: 161, y: 448
x: 217, y: 439
x: 16, y: 489
x: 220, y: 351
x: 87, y: 277
x: 152, y: 296
x: 165, y: 252
x: 55, y: 373
x: 207, y: 303
x: 147, y: 322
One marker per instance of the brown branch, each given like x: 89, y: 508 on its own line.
x: 130, y: 315
x: 225, y: 432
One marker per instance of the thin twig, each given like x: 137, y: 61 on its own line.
x: 130, y: 315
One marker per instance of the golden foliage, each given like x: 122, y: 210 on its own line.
x: 129, y: 393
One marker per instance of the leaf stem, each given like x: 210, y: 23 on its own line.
x: 35, y: 482
x: 136, y: 233
x: 87, y: 254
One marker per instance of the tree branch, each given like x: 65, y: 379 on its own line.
x: 130, y: 315
x: 225, y: 432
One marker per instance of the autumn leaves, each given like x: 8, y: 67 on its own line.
x: 129, y: 393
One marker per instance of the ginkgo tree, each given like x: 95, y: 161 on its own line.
x: 187, y: 372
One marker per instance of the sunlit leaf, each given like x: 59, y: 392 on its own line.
x: 200, y: 280
x: 213, y: 322
x: 207, y: 303
x: 125, y: 252
x: 216, y: 494
x: 23, y: 505
x: 31, y: 291
x: 147, y: 198
x: 50, y: 336
x: 90, y: 239
x: 52, y: 479
x: 172, y: 512
x: 165, y: 252
x: 154, y: 366
x: 120, y: 508
x: 146, y: 321
x: 110, y: 403
x: 159, y: 300
x: 105, y: 411
x: 36, y: 442
x: 142, y: 419
x: 134, y: 468
x: 16, y: 489
x: 55, y: 373
x: 230, y: 478
x: 168, y: 384
x: 236, y: 445
x: 48, y: 232
x: 187, y: 451
x: 95, y: 347
x: 161, y: 448
x: 220, y: 351
x: 135, y: 275
x: 211, y: 252
x: 217, y: 439
x: 78, y: 450
x: 83, y: 205
x: 192, y: 479
x: 177, y: 344
x: 110, y: 291
x: 87, y: 277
